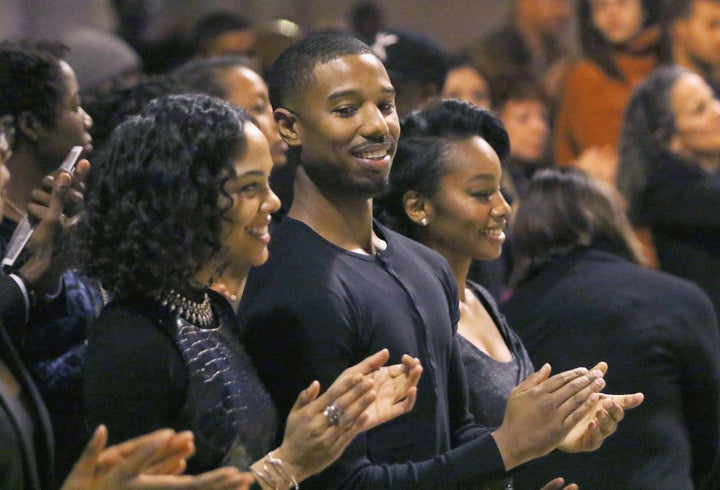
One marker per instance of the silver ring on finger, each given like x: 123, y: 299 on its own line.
x: 333, y: 414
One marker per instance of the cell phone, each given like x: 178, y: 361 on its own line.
x: 7, y: 135
x: 24, y: 229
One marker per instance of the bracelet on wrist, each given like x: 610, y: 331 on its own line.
x: 280, y: 467
x: 273, y: 465
x: 29, y: 289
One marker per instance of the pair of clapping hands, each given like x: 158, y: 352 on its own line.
x: 364, y: 396
x: 565, y: 411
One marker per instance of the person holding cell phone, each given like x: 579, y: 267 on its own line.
x: 41, y: 108
x: 150, y: 461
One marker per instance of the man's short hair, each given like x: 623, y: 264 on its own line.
x: 213, y: 25
x: 31, y: 79
x: 292, y: 73
x: 681, y: 9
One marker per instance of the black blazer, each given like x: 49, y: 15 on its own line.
x: 38, y: 466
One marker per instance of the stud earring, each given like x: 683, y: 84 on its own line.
x: 424, y: 222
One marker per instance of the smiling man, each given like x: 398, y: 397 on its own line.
x: 338, y: 285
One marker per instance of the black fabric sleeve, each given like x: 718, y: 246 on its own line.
x: 686, y: 200
x: 12, y: 308
x: 310, y: 336
x: 698, y: 350
x: 135, y: 379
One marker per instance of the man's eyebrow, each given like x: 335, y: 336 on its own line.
x: 354, y: 92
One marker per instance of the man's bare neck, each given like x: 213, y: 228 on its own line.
x: 345, y: 222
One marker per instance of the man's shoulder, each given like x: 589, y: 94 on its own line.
x: 408, y: 249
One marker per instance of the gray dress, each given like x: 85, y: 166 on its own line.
x: 490, y: 381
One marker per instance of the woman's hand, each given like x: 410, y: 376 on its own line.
x: 600, y: 162
x: 542, y: 410
x: 601, y: 422
x: 53, y: 208
x: 149, y: 462
x: 396, y: 388
x: 558, y: 484
x: 319, y: 428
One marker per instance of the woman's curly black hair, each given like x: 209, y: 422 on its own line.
x: 419, y: 163
x: 152, y: 219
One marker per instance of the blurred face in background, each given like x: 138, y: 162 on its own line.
x: 697, y: 119
x: 526, y: 121
x: 70, y: 127
x: 620, y: 21
x: 466, y: 83
x: 7, y: 138
x: 698, y: 35
x: 549, y: 17
x: 247, y: 89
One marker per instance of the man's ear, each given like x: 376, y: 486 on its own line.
x: 288, y: 126
x: 28, y: 125
x: 417, y: 207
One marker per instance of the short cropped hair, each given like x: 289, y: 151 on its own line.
x: 31, y: 79
x: 292, y: 72
x: 419, y: 163
x: 206, y: 75
x: 213, y: 25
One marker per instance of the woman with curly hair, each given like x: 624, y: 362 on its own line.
x: 181, y: 196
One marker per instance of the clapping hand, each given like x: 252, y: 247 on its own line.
x: 319, y: 428
x: 150, y: 462
x: 396, y: 388
x: 601, y: 422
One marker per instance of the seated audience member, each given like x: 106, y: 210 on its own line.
x: 223, y: 34
x: 533, y: 42
x: 233, y: 79
x: 39, y: 91
x: 416, y: 66
x: 668, y: 173
x: 183, y: 196
x: 524, y: 110
x: 622, y: 42
x: 582, y: 295
x: 444, y: 191
x: 695, y: 34
x: 366, y: 19
x: 465, y: 81
x: 348, y: 285
x: 27, y: 460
